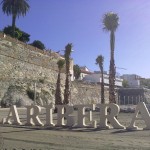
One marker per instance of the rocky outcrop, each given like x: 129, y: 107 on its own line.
x: 24, y: 92
x: 15, y: 95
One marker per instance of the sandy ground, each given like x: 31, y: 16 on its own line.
x: 35, y: 138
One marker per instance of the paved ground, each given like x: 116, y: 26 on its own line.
x: 27, y: 138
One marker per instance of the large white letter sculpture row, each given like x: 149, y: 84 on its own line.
x: 65, y: 116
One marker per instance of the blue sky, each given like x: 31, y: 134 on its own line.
x: 58, y: 22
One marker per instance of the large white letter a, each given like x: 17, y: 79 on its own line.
x: 13, y: 115
x: 141, y: 107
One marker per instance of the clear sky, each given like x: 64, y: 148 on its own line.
x: 58, y: 22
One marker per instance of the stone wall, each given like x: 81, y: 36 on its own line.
x: 23, y: 66
x: 83, y: 93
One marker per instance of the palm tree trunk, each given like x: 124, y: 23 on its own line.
x: 67, y: 83
x: 13, y: 24
x: 112, y: 71
x: 102, y: 86
x: 58, y: 98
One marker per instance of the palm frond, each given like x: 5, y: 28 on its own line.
x: 100, y: 59
x: 110, y: 21
x: 15, y: 7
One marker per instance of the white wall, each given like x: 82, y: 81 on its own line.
x: 133, y: 80
x: 82, y: 75
x: 96, y: 78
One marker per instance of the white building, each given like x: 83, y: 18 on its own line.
x: 132, y: 79
x: 84, y: 72
x: 71, y: 70
x: 96, y: 78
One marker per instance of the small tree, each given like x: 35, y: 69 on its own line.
x: 77, y: 71
x: 145, y: 83
x: 99, y: 61
x: 58, y: 98
x: 38, y: 44
x: 9, y: 31
x: 125, y: 83
x: 25, y: 37
x: 20, y: 35
x: 68, y: 50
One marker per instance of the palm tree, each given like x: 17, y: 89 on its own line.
x: 58, y: 98
x: 110, y: 23
x: 99, y: 61
x: 68, y: 50
x: 15, y: 8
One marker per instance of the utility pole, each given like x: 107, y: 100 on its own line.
x: 35, y: 93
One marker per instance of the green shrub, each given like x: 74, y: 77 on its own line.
x: 41, y: 81
x: 30, y: 94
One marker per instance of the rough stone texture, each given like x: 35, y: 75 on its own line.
x: 83, y: 93
x: 16, y: 95
x: 21, y: 66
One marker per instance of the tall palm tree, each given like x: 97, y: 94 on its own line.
x: 110, y: 23
x: 58, y: 98
x: 68, y: 50
x: 15, y: 8
x: 100, y: 61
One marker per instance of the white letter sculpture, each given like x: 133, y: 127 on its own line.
x: 82, y: 115
x: 13, y: 115
x: 32, y: 115
x: 49, y: 115
x: 141, y: 107
x: 65, y: 111
x: 104, y: 116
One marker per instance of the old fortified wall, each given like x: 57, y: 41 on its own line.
x: 25, y: 69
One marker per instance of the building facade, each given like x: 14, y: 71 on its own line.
x: 132, y: 79
x: 96, y: 78
x: 84, y: 72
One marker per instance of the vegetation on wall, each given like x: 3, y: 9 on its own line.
x: 145, y: 83
x: 38, y: 44
x: 19, y: 34
x: 77, y: 71
x: 30, y: 94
